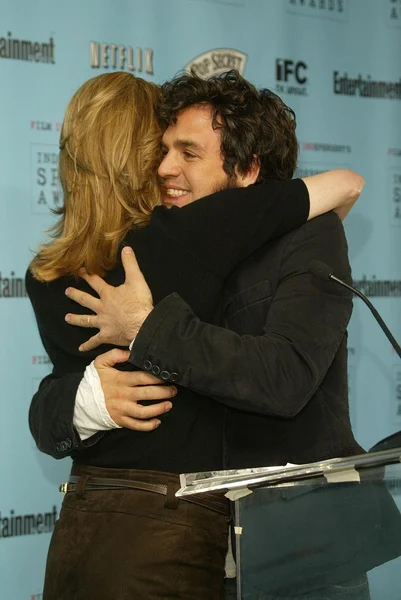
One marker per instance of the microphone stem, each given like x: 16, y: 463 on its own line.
x: 376, y: 315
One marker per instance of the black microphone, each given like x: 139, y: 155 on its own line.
x: 323, y: 271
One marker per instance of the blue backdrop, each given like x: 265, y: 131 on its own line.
x: 335, y: 62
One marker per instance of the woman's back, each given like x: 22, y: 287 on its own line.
x: 168, y: 268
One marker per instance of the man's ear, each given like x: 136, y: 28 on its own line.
x: 251, y: 175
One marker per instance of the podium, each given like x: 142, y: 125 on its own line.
x: 314, y: 531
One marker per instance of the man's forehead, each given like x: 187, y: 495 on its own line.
x: 196, y: 118
x: 193, y: 125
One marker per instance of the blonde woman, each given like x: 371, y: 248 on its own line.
x: 137, y: 540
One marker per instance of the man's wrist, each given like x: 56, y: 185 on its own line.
x: 140, y: 318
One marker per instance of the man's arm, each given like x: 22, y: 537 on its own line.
x: 275, y: 373
x: 53, y: 415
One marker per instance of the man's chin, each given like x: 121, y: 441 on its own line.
x: 168, y: 201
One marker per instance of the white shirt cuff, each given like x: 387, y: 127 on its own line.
x: 131, y: 344
x: 90, y: 412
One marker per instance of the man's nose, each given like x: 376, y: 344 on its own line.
x: 168, y: 167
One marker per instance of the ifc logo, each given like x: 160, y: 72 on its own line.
x: 288, y: 69
x: 291, y: 76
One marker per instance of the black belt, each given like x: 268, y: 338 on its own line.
x: 208, y: 500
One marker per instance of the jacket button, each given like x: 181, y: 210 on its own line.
x: 155, y: 370
x: 174, y: 376
x: 147, y: 365
x: 165, y: 375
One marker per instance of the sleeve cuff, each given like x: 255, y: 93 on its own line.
x: 145, y: 338
x: 90, y: 411
x: 131, y: 344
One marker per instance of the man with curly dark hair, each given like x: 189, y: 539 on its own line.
x: 251, y: 122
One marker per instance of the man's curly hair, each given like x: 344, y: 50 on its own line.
x: 252, y: 122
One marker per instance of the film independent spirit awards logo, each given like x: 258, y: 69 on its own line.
x: 217, y: 61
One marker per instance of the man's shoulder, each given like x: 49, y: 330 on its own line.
x: 309, y: 240
x: 324, y: 222
x: 327, y: 220
x: 325, y: 227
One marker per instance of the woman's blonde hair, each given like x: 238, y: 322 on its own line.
x: 109, y: 152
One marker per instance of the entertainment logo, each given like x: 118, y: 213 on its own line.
x: 12, y: 525
x: 291, y: 77
x: 12, y: 286
x: 217, y: 61
x: 365, y: 87
x: 17, y: 49
x: 324, y: 9
x: 378, y: 288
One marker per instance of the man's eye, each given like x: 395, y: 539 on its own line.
x: 188, y: 155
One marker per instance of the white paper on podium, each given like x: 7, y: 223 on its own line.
x: 237, y: 494
x: 342, y: 475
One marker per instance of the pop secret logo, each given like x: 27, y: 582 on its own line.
x: 214, y: 62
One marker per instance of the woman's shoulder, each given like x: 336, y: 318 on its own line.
x: 36, y: 285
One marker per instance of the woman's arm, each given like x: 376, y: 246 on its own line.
x: 336, y: 190
x: 225, y: 228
